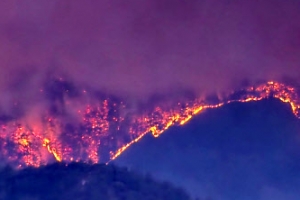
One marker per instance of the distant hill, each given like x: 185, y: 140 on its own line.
x: 78, y: 181
x: 241, y: 151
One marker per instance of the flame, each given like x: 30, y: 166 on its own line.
x: 52, y: 150
x: 284, y: 93
x: 106, y: 129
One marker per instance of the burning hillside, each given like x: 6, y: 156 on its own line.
x: 100, y: 131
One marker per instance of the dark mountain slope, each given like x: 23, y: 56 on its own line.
x: 77, y: 181
x: 239, y: 151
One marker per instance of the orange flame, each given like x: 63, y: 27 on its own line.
x: 105, y: 129
x: 280, y: 91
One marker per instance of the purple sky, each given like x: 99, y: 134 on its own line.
x: 141, y: 47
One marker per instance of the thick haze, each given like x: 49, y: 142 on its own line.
x: 138, y: 48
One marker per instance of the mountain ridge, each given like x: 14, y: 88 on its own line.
x: 225, y: 143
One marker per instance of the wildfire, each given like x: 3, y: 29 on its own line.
x: 52, y: 150
x: 105, y: 130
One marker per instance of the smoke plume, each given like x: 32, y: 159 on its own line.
x: 139, y: 48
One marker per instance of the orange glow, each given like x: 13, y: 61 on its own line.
x: 46, y: 143
x: 280, y: 91
x: 104, y: 130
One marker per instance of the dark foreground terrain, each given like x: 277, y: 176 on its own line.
x: 83, y: 181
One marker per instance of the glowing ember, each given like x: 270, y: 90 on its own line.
x: 106, y: 129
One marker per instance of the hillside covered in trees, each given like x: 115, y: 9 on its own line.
x: 79, y: 181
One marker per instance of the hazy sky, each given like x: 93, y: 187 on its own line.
x: 143, y: 47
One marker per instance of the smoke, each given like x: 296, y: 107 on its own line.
x: 139, y: 48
